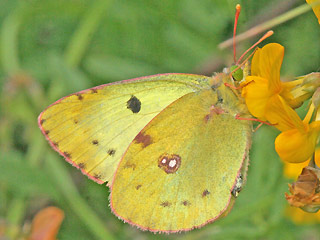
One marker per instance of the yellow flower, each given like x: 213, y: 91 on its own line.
x: 293, y: 170
x: 297, y: 144
x: 265, y: 95
x: 316, y: 8
x: 271, y: 100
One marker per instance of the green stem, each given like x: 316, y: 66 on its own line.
x: 36, y: 149
x: 15, y: 216
x: 81, y: 38
x: 80, y: 207
x: 269, y: 24
x: 9, y: 42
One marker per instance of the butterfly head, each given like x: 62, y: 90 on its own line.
x: 225, y: 85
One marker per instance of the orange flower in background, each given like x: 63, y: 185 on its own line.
x: 316, y: 8
x: 46, y: 224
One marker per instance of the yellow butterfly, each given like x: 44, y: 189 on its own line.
x: 170, y: 146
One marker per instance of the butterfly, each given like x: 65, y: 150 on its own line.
x: 170, y: 146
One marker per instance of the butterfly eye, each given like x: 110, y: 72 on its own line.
x: 238, y: 74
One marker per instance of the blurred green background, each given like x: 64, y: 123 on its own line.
x: 51, y: 48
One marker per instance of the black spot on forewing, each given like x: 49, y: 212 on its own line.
x: 55, y: 144
x: 134, y: 104
x: 138, y: 186
x: 111, y: 152
x: 93, y: 90
x: 46, y: 132
x: 42, y: 121
x: 75, y: 121
x: 95, y: 142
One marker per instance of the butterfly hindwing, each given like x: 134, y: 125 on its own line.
x: 179, y: 171
x: 93, y: 128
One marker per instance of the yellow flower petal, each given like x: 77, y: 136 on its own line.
x: 296, y: 147
x: 315, y: 126
x: 301, y: 217
x: 255, y: 63
x: 278, y: 112
x: 264, y: 81
x: 256, y: 95
x: 270, y: 60
x: 293, y: 170
x: 316, y: 9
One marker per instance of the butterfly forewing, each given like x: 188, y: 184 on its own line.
x: 93, y: 128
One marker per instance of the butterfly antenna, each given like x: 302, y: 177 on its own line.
x: 243, y: 63
x: 268, y: 34
x: 238, y: 9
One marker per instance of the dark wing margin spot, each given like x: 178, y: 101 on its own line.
x: 97, y: 176
x: 80, y: 97
x: 55, y: 144
x: 66, y: 154
x: 47, y: 132
x: 81, y: 165
x: 95, y: 142
x: 42, y: 121
x: 134, y: 104
x: 93, y: 90
x: 138, y: 186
